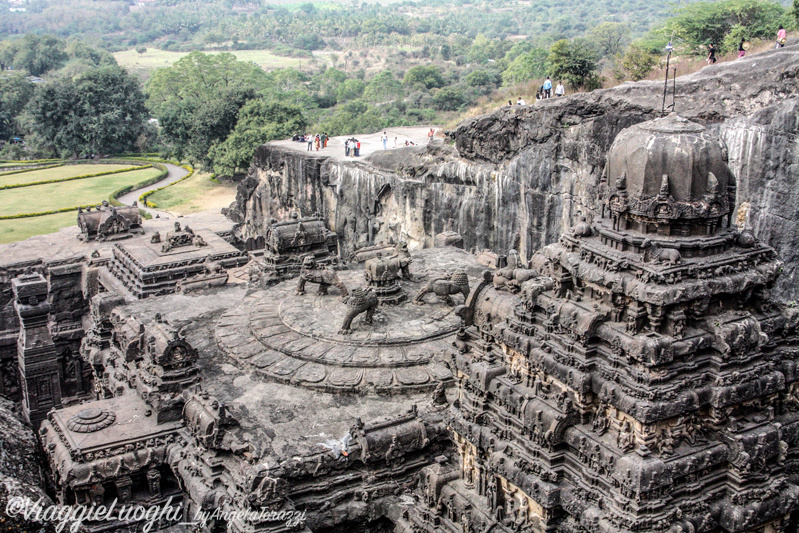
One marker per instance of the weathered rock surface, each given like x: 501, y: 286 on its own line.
x: 20, y: 472
x: 518, y: 176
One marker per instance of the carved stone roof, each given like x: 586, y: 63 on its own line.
x: 670, y: 162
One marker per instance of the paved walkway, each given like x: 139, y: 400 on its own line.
x: 174, y: 173
x: 370, y: 142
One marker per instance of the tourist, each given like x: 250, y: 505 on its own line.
x: 547, y: 88
x: 384, y: 138
x: 560, y: 90
x: 430, y: 135
x: 324, y: 140
x: 711, y: 54
x: 357, y: 148
x: 310, y: 142
x: 317, y: 141
x: 539, y: 94
x: 742, y: 46
x: 510, y: 103
x: 782, y: 36
x: 395, y: 142
x: 519, y: 101
x: 347, y: 148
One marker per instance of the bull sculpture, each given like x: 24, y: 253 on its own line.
x: 381, y: 271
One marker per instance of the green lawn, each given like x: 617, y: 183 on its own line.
x: 62, y: 172
x: 51, y: 196
x: 154, y: 58
x: 22, y: 228
x: 197, y: 193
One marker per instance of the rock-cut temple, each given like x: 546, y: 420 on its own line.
x: 637, y: 375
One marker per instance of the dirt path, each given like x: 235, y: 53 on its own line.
x: 174, y: 173
x: 370, y: 142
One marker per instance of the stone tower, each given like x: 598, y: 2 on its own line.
x: 36, y: 353
x: 637, y: 375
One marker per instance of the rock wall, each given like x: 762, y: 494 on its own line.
x: 516, y: 177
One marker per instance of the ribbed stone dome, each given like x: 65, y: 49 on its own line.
x: 669, y: 168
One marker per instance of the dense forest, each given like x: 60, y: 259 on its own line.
x: 367, y: 65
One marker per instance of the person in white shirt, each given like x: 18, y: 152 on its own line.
x: 560, y: 90
x: 384, y: 138
x: 520, y: 101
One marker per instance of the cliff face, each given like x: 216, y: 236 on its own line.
x: 518, y: 176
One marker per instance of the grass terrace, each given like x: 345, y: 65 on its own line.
x: 55, y: 173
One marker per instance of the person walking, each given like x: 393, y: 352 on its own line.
x: 310, y: 142
x: 548, y: 88
x: 560, y: 90
x: 782, y: 37
x: 711, y: 54
x: 430, y: 135
x: 384, y: 138
x: 742, y: 48
x: 324, y: 140
x: 318, y: 141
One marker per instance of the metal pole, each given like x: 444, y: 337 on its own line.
x: 669, y: 48
x: 674, y: 90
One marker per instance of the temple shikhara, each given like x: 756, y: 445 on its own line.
x: 639, y: 374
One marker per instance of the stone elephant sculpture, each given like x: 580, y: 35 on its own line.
x: 324, y: 277
x: 381, y: 271
x: 456, y: 283
x: 360, y: 300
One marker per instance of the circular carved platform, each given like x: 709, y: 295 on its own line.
x: 294, y: 339
x: 91, y: 420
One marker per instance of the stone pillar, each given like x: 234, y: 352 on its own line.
x: 36, y: 355
x: 124, y: 485
x: 154, y: 482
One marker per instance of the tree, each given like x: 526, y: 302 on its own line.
x: 15, y: 92
x: 99, y: 112
x: 446, y: 51
x: 702, y: 23
x: 350, y: 90
x: 36, y: 54
x: 141, y: 49
x: 526, y: 66
x: 383, y: 87
x: 609, y: 38
x: 575, y: 62
x: 198, y: 99
x: 635, y: 63
x: 796, y: 10
x: 448, y: 99
x: 427, y: 76
x: 258, y: 122
x: 482, y: 78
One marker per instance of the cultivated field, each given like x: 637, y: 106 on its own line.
x: 154, y: 58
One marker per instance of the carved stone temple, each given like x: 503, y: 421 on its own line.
x: 637, y: 375
x: 643, y: 380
